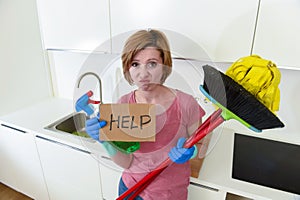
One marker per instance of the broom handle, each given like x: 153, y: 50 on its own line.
x: 196, y: 137
x: 143, y: 183
x: 198, y: 134
x: 210, y: 124
x: 148, y: 181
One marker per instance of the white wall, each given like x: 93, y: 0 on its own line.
x: 24, y: 77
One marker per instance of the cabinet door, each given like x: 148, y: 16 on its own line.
x: 278, y: 29
x: 70, y: 173
x: 199, y: 191
x: 20, y: 165
x: 110, y: 177
x: 76, y: 24
x: 220, y: 30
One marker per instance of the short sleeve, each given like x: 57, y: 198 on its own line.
x: 195, y: 112
x: 127, y: 98
x: 191, y: 111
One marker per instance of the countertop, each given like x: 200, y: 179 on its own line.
x: 35, y: 118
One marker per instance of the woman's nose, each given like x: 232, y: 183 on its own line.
x: 144, y: 72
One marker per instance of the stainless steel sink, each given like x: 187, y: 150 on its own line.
x: 73, y: 124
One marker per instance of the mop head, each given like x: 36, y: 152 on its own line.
x: 258, y: 76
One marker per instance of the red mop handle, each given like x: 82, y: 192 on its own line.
x: 213, y: 121
x: 142, y: 187
x: 210, y: 124
x: 189, y: 143
x: 204, y: 129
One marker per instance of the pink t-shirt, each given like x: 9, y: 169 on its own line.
x: 172, y: 183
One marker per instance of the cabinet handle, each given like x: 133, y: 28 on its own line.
x: 204, y: 186
x: 106, y: 157
x: 62, y: 144
x: 13, y: 128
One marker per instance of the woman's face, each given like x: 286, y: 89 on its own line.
x: 146, y: 68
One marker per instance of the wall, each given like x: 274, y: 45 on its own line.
x: 24, y: 77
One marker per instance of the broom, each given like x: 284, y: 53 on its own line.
x: 234, y: 102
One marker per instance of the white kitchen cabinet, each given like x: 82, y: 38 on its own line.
x: 110, y: 177
x: 19, y: 162
x: 277, y: 35
x: 221, y: 29
x: 200, y: 191
x: 70, y: 172
x: 75, y: 24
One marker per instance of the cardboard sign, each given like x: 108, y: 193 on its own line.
x: 128, y: 122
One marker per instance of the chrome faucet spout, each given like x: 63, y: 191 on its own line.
x: 98, y: 78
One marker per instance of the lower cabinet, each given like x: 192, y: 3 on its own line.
x: 20, y: 166
x: 111, y: 174
x: 70, y: 173
x: 199, y: 191
x: 110, y: 177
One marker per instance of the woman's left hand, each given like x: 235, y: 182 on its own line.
x: 179, y: 154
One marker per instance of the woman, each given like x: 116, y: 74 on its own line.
x: 147, y: 63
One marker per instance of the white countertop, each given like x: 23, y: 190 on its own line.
x: 215, y: 172
x: 35, y: 118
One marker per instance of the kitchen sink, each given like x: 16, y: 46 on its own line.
x: 73, y: 124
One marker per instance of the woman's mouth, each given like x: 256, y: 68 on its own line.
x: 144, y: 81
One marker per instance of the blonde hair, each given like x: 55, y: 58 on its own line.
x: 139, y: 41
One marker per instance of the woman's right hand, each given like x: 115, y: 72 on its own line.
x: 92, y: 127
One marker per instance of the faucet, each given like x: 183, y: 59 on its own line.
x: 99, y: 80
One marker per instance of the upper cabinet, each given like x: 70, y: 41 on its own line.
x: 213, y: 29
x: 220, y: 31
x: 75, y: 24
x: 277, y: 36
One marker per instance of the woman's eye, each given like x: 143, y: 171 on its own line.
x: 152, y: 64
x: 134, y: 64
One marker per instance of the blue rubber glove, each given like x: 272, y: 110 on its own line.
x: 92, y: 127
x: 179, y: 154
x: 83, y: 104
